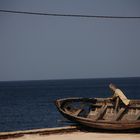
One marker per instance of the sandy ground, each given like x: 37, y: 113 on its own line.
x: 81, y: 136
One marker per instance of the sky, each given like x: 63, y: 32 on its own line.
x: 43, y: 47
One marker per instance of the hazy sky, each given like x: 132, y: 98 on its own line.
x: 43, y: 47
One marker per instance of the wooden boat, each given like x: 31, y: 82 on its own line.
x: 103, y: 113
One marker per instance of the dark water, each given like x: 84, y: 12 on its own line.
x: 30, y: 104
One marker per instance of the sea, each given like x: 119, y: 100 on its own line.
x: 28, y: 105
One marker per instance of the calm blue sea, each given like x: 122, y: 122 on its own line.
x: 30, y: 104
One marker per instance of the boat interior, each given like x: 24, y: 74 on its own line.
x: 102, y: 109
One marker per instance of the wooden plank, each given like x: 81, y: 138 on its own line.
x: 117, y: 104
x: 119, y: 114
x: 76, y: 113
x: 101, y: 112
x: 137, y: 116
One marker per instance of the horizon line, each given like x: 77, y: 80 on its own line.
x: 69, y: 79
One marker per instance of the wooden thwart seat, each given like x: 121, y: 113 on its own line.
x: 119, y: 114
x: 101, y: 112
x: 137, y: 116
x: 77, y: 112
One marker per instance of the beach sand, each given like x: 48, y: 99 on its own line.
x: 81, y: 136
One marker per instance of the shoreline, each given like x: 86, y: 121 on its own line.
x: 69, y: 132
x: 81, y: 136
x: 43, y: 131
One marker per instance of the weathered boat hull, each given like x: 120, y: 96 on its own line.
x: 108, y: 124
